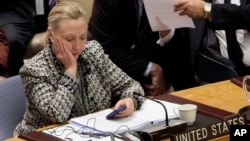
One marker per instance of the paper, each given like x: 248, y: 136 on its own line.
x: 161, y: 15
x: 150, y: 113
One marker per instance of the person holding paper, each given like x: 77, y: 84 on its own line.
x: 72, y: 77
x: 220, y: 42
x: 122, y: 27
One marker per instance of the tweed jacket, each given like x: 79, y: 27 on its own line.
x: 54, y: 96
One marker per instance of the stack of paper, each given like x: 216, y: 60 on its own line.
x: 150, y: 113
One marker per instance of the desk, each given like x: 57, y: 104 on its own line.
x: 224, y: 95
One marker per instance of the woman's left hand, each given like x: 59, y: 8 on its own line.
x: 65, y: 56
x: 129, y: 102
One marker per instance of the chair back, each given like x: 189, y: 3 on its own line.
x: 12, y: 105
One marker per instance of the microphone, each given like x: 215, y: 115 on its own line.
x: 165, y: 109
x: 161, y: 131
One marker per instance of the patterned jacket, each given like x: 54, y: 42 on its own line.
x: 54, y: 96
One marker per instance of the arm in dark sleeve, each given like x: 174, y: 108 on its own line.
x: 230, y: 16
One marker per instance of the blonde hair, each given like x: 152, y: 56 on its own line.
x: 65, y: 10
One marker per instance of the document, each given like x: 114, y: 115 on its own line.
x: 149, y: 114
x: 161, y: 15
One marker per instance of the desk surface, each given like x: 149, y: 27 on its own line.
x: 224, y: 95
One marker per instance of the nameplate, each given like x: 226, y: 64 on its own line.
x: 211, y: 131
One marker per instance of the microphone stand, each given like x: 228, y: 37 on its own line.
x: 162, y: 131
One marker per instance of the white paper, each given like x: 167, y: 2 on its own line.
x: 161, y: 15
x: 150, y: 113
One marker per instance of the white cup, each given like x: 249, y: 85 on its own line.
x: 186, y: 112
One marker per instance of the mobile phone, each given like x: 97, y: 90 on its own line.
x: 115, y: 112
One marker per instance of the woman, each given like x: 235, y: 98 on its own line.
x: 72, y: 77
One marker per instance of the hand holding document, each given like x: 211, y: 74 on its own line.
x: 161, y: 15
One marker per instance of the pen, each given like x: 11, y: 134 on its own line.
x: 116, y: 111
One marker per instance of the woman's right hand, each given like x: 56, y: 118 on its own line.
x: 65, y: 56
x: 191, y: 8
